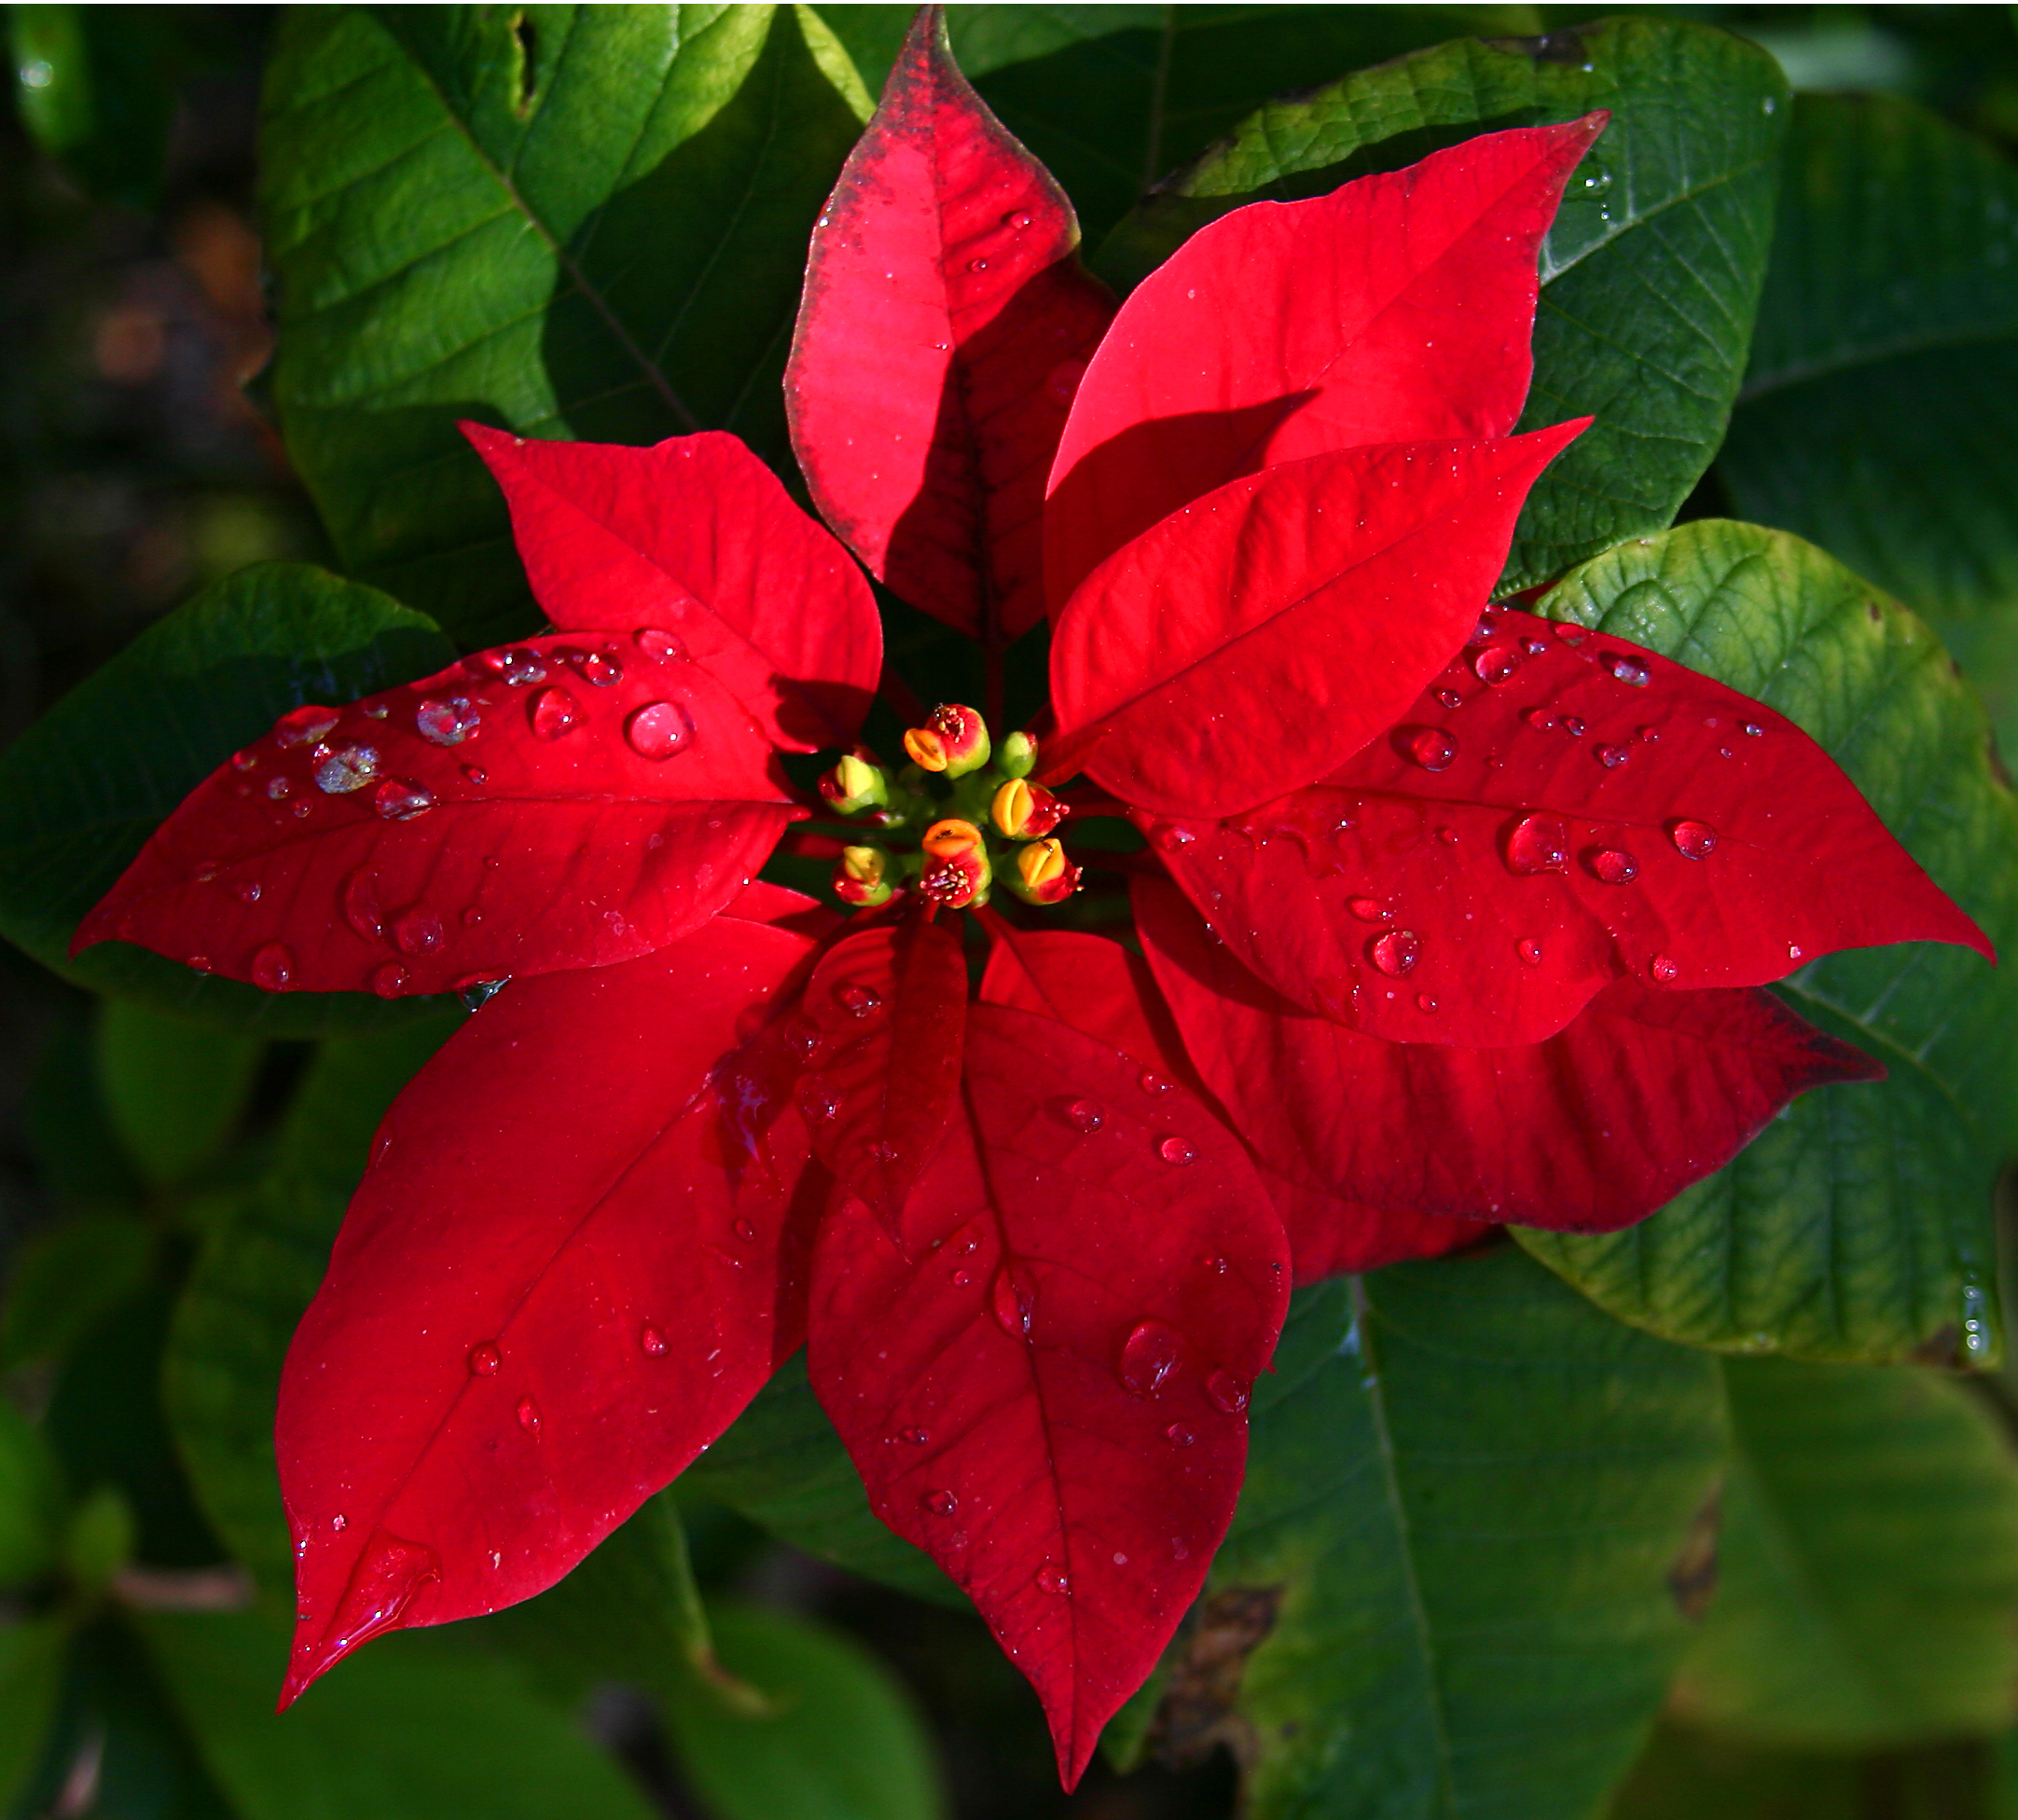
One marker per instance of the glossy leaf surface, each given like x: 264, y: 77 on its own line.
x: 1256, y: 637
x: 1556, y: 812
x: 1859, y: 1225
x: 573, y: 1261
x: 1397, y: 309
x: 563, y: 802
x: 1466, y: 1497
x: 1045, y: 1387
x: 598, y: 237
x: 84, y: 788
x: 1650, y: 276
x: 1643, y: 1093
x: 696, y: 539
x: 1867, y: 1561
x: 945, y: 323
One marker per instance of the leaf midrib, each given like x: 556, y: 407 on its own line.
x: 1874, y: 354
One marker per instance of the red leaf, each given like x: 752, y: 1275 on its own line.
x: 1256, y: 639
x: 1100, y: 988
x: 565, y: 803
x: 1646, y: 1092
x: 695, y: 538
x: 1479, y: 875
x: 881, y: 1031
x: 1046, y: 1387
x: 577, y: 1253
x: 945, y: 324
x: 1397, y: 309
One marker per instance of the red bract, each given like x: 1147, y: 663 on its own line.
x: 1039, y: 1245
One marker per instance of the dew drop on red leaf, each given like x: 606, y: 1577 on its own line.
x: 484, y: 1360
x: 1693, y: 840
x: 273, y: 966
x: 659, y: 729
x: 553, y: 713
x: 1148, y: 1357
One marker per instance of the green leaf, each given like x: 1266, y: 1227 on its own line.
x: 1650, y: 276
x: 98, y: 1540
x: 1880, y: 411
x: 783, y: 1465
x: 31, y: 1502
x: 1111, y: 98
x: 83, y: 788
x: 175, y: 1089
x: 1686, y: 1774
x: 67, y: 1276
x: 1859, y: 1225
x: 414, y: 1726
x: 841, y: 1739
x: 31, y: 1676
x: 252, y: 1281
x: 1868, y: 1562
x: 578, y: 222
x: 1467, y: 1500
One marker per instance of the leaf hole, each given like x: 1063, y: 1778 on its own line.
x: 525, y: 63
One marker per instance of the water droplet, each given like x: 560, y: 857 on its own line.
x: 1612, y: 757
x: 446, y: 720
x: 1181, y: 1434
x: 278, y: 790
x: 659, y: 645
x: 816, y: 1104
x: 340, y: 1522
x: 1148, y: 1357
x: 1611, y: 865
x: 1626, y: 667
x: 484, y: 1360
x: 476, y: 992
x: 305, y: 726
x: 1495, y: 663
x: 1175, y: 838
x: 600, y: 669
x: 1533, y: 647
x: 340, y: 769
x: 1570, y: 635
x: 529, y: 1415
x: 361, y: 906
x: 745, y: 1231
x: 964, y: 1279
x: 247, y: 890
x: 1369, y: 909
x: 1693, y: 840
x: 858, y: 1001
x: 1483, y: 631
x: 1753, y: 730
x: 201, y: 963
x: 1018, y: 221
x: 660, y: 729
x: 1529, y: 950
x: 883, y: 1150
x: 1013, y: 1300
x: 651, y: 1342
x: 978, y: 265
x: 1431, y: 748
x: 1450, y: 698
x: 273, y: 966
x: 803, y: 1035
x: 1087, y: 1114
x: 476, y: 774
x: 1395, y: 952
x: 1226, y: 1393
x: 389, y: 980
x: 1537, y: 844
x: 417, y: 932
x: 1053, y: 1578
x: 1178, y: 1152
x: 1794, y: 951
x: 247, y: 761
x: 1154, y: 1083
x: 400, y: 799
x: 1425, y: 1001
x: 1447, y: 835
x: 1216, y: 1265
x: 1665, y: 968
x: 553, y: 714
x: 1573, y: 725
x: 1539, y: 719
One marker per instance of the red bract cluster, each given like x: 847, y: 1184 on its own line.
x: 1446, y: 915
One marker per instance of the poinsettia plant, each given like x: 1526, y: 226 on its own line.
x: 1419, y: 914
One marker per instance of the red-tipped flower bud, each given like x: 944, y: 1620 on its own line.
x: 860, y: 876
x: 1017, y: 755
x: 1043, y: 873
x: 1026, y: 811
x: 954, y: 740
x: 957, y: 870
x: 854, y: 784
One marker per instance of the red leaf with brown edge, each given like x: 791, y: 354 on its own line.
x: 577, y: 1253
x: 880, y: 1033
x: 1513, y: 847
x: 1260, y: 636
x: 945, y: 323
x: 1107, y: 991
x: 1045, y: 1387
x: 1645, y: 1093
x: 696, y: 539
x: 1398, y: 308
x: 604, y: 804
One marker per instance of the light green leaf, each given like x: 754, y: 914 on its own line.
x: 31, y: 1501
x: 1859, y: 1225
x: 175, y: 1089
x: 1469, y: 1496
x: 83, y: 788
x: 1868, y: 1562
x: 1649, y: 277
x: 31, y: 1676
x: 415, y: 1728
x: 840, y: 1739
x: 578, y: 222
x: 65, y: 1277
